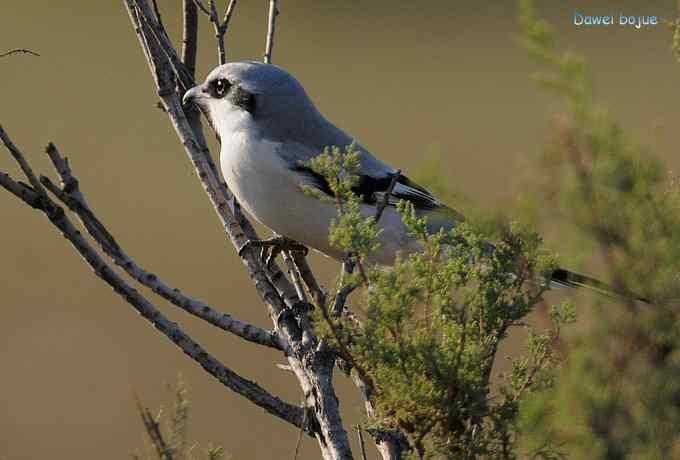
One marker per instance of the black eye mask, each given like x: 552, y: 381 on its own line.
x: 242, y: 98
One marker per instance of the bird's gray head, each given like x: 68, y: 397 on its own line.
x: 255, y: 96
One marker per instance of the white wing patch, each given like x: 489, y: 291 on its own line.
x: 404, y: 189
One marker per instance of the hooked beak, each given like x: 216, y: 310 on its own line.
x: 193, y: 95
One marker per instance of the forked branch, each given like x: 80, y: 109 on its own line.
x: 37, y: 197
x: 69, y: 193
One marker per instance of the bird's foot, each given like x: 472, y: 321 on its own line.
x: 272, y: 247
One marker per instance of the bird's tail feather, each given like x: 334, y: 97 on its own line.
x: 562, y: 278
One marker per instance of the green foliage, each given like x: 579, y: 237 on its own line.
x: 431, y: 326
x: 351, y: 231
x: 431, y: 334
x: 167, y: 431
x: 617, y: 396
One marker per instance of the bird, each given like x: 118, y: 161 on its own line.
x: 269, y: 129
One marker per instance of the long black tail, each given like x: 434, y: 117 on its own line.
x: 568, y: 279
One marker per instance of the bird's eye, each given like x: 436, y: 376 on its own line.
x: 219, y: 88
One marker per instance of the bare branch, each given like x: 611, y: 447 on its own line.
x: 220, y: 27
x: 72, y: 197
x: 228, y: 13
x: 271, y: 30
x: 23, y: 164
x: 20, y: 190
x: 202, y: 7
x: 189, y: 36
x: 214, y: 18
x: 19, y: 50
x: 246, y: 388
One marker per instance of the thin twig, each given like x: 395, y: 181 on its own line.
x: 189, y: 36
x: 308, y: 277
x: 345, y: 288
x: 19, y: 50
x: 21, y: 161
x: 295, y: 276
x: 220, y: 27
x: 271, y: 30
x: 202, y: 7
x: 361, y: 443
x: 227, y: 14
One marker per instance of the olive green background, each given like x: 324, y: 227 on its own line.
x: 405, y: 78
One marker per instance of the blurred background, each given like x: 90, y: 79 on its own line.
x: 407, y: 79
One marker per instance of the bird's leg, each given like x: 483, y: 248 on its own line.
x: 272, y: 247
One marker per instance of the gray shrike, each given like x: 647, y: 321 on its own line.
x: 268, y: 126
